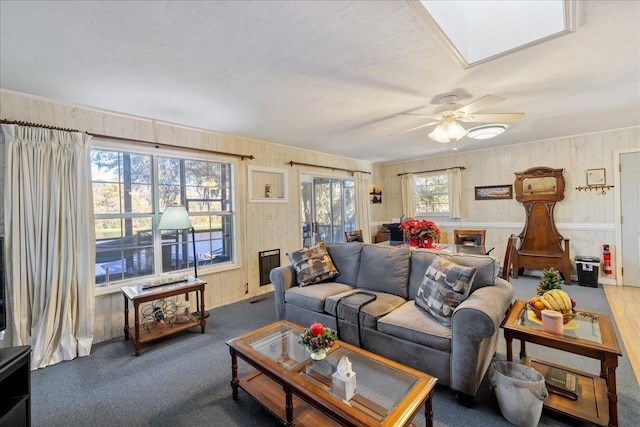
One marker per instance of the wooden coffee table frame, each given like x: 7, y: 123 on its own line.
x: 596, y: 391
x: 283, y: 393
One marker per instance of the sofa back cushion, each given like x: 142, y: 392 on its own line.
x: 420, y: 261
x: 346, y: 258
x: 384, y: 269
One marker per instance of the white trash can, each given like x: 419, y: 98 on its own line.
x: 520, y: 390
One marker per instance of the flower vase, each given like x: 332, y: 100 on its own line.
x: 414, y: 241
x: 426, y: 242
x: 317, y: 353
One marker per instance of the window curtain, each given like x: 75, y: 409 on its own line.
x: 50, y: 242
x: 362, y: 204
x: 454, y: 176
x: 408, y: 202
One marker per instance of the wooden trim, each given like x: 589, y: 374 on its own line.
x: 291, y: 163
x: 433, y: 170
x: 139, y: 141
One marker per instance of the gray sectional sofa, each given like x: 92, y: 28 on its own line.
x: 393, y: 325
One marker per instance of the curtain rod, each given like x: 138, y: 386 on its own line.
x: 434, y: 170
x: 155, y: 144
x: 291, y: 163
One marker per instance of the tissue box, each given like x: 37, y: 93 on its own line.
x: 344, y: 388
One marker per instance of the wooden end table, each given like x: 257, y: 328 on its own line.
x: 589, y: 334
x: 142, y: 293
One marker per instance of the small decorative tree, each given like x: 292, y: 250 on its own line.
x: 550, y: 280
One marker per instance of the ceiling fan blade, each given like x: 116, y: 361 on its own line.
x: 493, y: 117
x: 428, y: 116
x: 480, y: 104
x: 415, y: 128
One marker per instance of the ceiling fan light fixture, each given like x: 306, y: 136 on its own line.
x: 448, y: 130
x: 486, y: 131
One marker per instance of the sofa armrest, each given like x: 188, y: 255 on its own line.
x: 475, y: 328
x: 282, y: 279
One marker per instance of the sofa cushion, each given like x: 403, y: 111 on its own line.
x: 384, y: 269
x: 420, y: 261
x: 313, y: 264
x: 346, y: 258
x: 413, y: 324
x: 369, y: 313
x: 445, y: 285
x: 487, y: 268
x: 313, y: 297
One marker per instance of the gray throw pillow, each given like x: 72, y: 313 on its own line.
x: 312, y: 265
x: 445, y: 285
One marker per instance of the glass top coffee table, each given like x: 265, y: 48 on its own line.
x: 589, y: 334
x: 300, y: 391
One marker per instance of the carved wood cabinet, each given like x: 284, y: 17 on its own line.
x: 542, y: 246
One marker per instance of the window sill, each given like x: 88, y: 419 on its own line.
x: 114, y: 288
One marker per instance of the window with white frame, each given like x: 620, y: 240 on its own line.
x: 431, y: 194
x: 131, y: 190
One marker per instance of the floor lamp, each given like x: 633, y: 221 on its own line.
x: 175, y: 217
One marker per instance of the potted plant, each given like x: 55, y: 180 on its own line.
x: 550, y: 280
x: 420, y: 232
x: 317, y: 340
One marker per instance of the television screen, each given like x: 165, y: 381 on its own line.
x: 3, y: 309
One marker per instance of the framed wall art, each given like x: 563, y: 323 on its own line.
x: 493, y: 192
x: 596, y: 177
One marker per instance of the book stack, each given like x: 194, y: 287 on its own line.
x: 562, y: 383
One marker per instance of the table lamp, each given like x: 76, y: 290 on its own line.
x: 176, y: 217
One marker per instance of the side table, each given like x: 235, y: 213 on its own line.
x: 139, y: 294
x: 589, y: 334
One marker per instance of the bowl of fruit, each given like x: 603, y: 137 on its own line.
x: 556, y: 300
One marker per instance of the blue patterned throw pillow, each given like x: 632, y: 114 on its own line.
x: 445, y: 285
x: 313, y: 265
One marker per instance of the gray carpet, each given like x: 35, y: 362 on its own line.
x: 183, y: 380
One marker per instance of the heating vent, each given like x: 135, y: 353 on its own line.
x: 268, y: 261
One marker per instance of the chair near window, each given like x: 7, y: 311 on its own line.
x: 508, y: 256
x: 353, y: 236
x: 469, y: 237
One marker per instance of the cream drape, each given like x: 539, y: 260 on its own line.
x: 362, y: 204
x: 408, y: 202
x: 455, y: 192
x: 50, y: 242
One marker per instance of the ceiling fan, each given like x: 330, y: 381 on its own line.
x: 449, y: 114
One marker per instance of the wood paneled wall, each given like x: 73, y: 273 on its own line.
x: 259, y: 226
x: 587, y: 218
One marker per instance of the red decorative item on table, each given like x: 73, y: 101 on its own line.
x: 420, y: 232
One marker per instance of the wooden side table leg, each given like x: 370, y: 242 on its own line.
x: 428, y: 410
x: 509, y: 341
x: 612, y: 393
x: 203, y: 322
x: 234, y: 374
x: 523, y: 349
x: 126, y: 318
x: 136, y: 327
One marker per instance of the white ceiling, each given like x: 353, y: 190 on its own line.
x: 329, y: 76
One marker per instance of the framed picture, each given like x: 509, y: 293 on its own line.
x: 493, y: 192
x: 596, y: 177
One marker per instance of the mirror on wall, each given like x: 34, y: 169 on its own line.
x: 268, y: 185
x: 539, y: 185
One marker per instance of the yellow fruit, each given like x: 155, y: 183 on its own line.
x: 539, y: 305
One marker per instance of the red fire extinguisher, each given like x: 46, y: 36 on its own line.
x: 606, y: 256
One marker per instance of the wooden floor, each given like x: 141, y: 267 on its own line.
x: 625, y: 302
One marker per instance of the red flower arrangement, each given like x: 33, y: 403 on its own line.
x: 420, y: 228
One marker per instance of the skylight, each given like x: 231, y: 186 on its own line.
x: 477, y: 31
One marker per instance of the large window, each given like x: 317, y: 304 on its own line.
x: 130, y: 192
x: 431, y: 194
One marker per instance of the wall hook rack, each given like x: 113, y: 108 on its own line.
x: 602, y: 188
